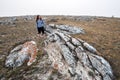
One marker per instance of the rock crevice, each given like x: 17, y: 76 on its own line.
x: 79, y: 58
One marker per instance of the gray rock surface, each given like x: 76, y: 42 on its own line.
x: 27, y: 18
x: 10, y: 21
x: 76, y: 59
x: 66, y: 29
x: 21, y: 54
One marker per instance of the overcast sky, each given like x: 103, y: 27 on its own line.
x: 60, y: 7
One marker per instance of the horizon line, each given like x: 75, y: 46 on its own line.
x: 60, y: 15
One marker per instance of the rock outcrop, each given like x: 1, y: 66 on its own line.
x: 10, y: 21
x: 65, y: 57
x: 66, y: 29
x: 28, y: 18
x: 75, y: 59
x: 22, y: 53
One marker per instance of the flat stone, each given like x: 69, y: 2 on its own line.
x: 89, y: 47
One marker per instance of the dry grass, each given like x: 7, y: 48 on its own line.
x: 104, y: 35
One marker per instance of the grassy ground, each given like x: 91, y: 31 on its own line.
x: 103, y: 34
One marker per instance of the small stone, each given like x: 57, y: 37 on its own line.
x: 89, y: 47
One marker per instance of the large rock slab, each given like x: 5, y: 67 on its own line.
x: 22, y: 53
x: 66, y: 29
x: 75, y: 59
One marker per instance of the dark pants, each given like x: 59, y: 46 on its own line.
x: 41, y: 29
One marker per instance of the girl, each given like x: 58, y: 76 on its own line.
x: 40, y: 25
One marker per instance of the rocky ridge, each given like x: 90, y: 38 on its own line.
x: 66, y: 29
x: 75, y: 59
x: 68, y: 58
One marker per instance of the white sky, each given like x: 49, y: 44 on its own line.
x: 60, y: 7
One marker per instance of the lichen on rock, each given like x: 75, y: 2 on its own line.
x: 22, y: 53
x: 75, y: 59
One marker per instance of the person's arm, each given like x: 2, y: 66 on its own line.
x: 43, y: 22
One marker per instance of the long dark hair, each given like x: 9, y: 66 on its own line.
x: 38, y: 17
